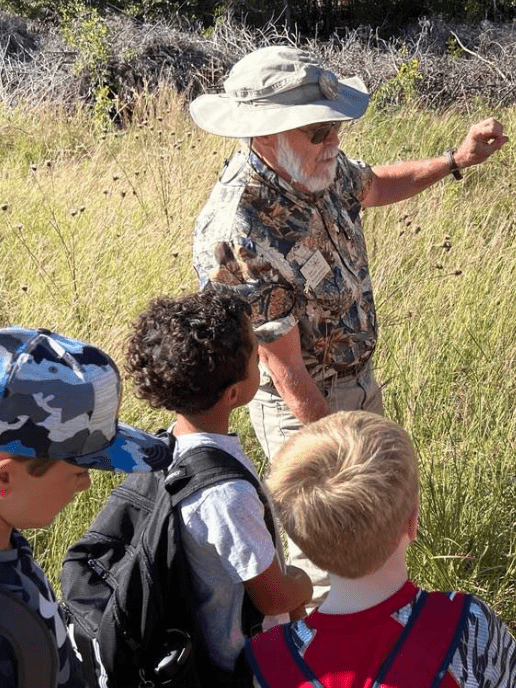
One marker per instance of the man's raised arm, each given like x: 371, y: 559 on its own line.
x: 401, y: 180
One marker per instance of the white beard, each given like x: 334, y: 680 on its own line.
x: 290, y: 161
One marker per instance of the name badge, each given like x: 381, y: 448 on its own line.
x: 315, y: 269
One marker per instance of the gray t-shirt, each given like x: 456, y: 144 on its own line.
x: 226, y: 542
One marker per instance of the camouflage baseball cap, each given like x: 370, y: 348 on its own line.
x: 59, y: 399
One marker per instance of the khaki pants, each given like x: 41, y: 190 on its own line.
x: 273, y: 423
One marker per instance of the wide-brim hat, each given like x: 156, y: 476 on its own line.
x: 276, y: 89
x: 59, y: 399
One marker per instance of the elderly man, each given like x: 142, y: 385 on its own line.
x: 282, y: 226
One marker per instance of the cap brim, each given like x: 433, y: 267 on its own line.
x: 222, y: 115
x: 130, y: 451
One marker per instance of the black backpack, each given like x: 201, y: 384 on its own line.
x: 126, y: 586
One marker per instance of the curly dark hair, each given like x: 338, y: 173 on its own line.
x: 183, y: 353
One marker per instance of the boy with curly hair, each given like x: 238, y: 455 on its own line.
x: 197, y: 356
x: 346, y: 490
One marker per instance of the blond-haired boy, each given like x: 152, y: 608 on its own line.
x: 346, y: 490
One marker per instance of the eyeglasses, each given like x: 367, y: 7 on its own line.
x: 320, y: 133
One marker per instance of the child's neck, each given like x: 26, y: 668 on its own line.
x: 212, y: 421
x: 5, y: 535
x: 349, y: 595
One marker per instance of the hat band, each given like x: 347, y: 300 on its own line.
x: 302, y: 95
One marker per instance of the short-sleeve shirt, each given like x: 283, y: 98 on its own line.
x: 226, y: 543
x: 23, y: 578
x: 298, y: 258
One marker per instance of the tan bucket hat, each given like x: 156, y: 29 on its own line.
x: 275, y: 89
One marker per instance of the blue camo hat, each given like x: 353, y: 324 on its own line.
x: 59, y: 399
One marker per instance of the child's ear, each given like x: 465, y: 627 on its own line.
x: 6, y: 468
x: 231, y: 396
x: 412, y: 524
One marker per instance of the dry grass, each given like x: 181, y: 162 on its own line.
x: 93, y: 226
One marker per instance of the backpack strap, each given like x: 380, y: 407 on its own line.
x: 32, y: 643
x: 273, y: 662
x: 201, y: 467
x: 424, y: 648
x: 428, y: 642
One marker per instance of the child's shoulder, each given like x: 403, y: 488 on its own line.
x: 230, y: 444
x: 243, y: 501
x: 20, y: 573
x: 487, y: 625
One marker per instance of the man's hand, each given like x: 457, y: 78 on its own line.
x: 482, y: 140
x: 401, y: 180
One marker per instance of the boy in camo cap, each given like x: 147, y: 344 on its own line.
x: 59, y: 401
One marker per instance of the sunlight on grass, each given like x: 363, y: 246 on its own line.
x: 92, y: 226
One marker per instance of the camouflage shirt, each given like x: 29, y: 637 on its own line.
x: 23, y: 578
x: 298, y: 258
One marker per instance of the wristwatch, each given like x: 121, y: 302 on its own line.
x: 454, y: 168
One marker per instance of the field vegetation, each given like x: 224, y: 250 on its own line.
x: 97, y: 219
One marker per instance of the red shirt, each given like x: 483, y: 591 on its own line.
x: 346, y: 650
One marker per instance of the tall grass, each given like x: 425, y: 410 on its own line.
x: 93, y: 225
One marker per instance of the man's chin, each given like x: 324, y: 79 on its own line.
x: 292, y: 169
x: 322, y: 181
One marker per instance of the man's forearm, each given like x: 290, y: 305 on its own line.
x: 284, y: 361
x: 301, y: 395
x: 402, y: 180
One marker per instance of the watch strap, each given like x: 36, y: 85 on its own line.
x: 454, y: 168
